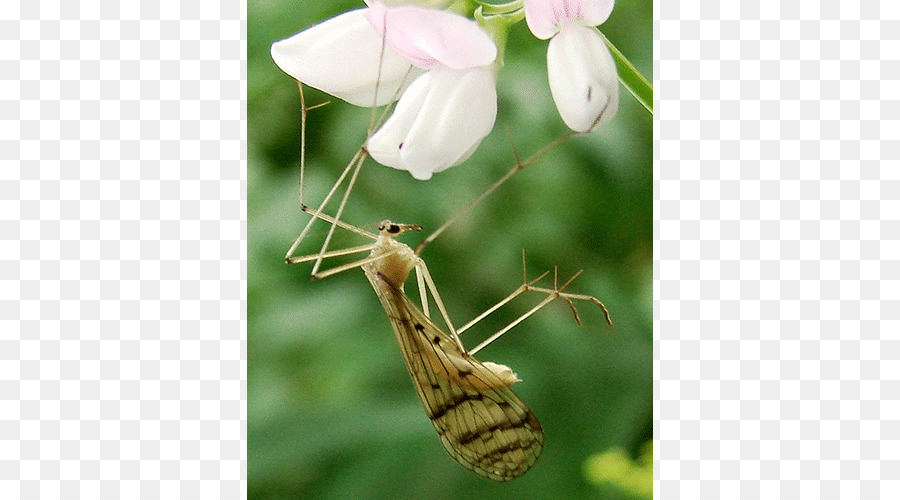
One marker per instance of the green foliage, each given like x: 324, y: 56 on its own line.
x: 331, y: 410
x: 614, y: 467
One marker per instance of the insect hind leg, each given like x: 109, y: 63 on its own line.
x: 552, y: 294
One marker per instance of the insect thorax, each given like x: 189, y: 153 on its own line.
x: 393, y: 268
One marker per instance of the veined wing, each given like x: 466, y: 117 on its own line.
x: 482, y: 423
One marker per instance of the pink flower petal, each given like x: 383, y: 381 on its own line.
x: 429, y: 37
x: 543, y: 16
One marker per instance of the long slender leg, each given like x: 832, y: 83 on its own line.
x: 568, y: 297
x: 355, y: 165
x: 319, y: 211
x: 304, y: 110
x: 518, y: 291
x: 552, y: 294
x: 333, y: 253
x: 352, y: 265
x: 303, y: 113
x: 347, y: 266
x: 528, y: 286
x: 360, y: 159
x: 347, y: 226
x: 512, y: 171
x: 423, y: 294
x: 422, y: 269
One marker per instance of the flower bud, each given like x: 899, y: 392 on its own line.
x: 581, y: 71
x: 583, y: 78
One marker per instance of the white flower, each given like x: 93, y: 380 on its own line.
x: 444, y: 115
x: 580, y: 69
x: 342, y: 56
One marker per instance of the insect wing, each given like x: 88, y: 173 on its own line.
x: 482, y: 423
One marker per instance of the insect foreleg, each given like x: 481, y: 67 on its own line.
x: 359, y: 159
x: 333, y: 253
x: 353, y: 265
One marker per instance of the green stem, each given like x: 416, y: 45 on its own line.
x: 631, y: 78
x: 504, y: 8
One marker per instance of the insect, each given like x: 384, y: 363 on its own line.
x: 481, y: 422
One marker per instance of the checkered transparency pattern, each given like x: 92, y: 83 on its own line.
x: 778, y: 278
x: 122, y: 149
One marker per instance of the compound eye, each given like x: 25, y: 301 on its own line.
x: 393, y: 228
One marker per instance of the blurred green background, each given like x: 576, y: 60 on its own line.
x: 331, y: 410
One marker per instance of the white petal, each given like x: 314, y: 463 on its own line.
x: 439, y: 122
x: 583, y: 78
x: 544, y: 16
x: 385, y: 144
x: 457, y: 114
x: 341, y: 57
